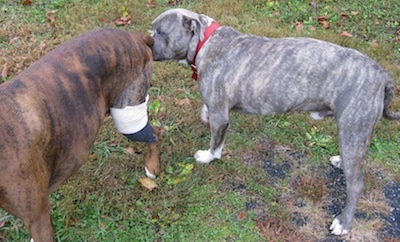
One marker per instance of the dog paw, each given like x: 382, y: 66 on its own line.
x: 336, y: 161
x: 203, y: 156
x: 317, y: 115
x: 337, y: 228
x: 149, y: 174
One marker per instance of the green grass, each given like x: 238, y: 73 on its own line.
x: 104, y: 201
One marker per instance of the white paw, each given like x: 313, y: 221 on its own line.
x: 203, y: 156
x: 149, y: 174
x: 317, y: 115
x: 337, y: 229
x: 204, y: 114
x: 336, y: 161
x: 32, y: 240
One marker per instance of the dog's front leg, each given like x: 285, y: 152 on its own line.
x: 218, y: 125
x: 152, y: 163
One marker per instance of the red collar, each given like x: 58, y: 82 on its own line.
x: 207, y: 33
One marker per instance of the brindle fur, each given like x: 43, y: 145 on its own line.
x: 260, y: 75
x: 51, y: 113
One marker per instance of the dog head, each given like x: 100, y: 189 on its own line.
x: 176, y: 33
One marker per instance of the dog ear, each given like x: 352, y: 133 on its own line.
x: 194, y: 26
x: 148, y: 40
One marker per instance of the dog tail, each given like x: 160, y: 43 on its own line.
x: 389, y: 94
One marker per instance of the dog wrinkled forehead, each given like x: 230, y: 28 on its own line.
x: 179, y: 13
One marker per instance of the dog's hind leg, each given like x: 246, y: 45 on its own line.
x: 40, y: 224
x: 219, y: 121
x: 28, y: 200
x: 354, y: 140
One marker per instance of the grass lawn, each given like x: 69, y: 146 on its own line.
x: 274, y: 181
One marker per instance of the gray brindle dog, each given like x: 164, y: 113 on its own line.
x: 259, y: 75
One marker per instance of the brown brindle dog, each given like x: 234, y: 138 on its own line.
x: 51, y: 113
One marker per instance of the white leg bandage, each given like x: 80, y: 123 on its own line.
x: 130, y: 119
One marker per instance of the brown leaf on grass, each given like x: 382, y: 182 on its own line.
x: 5, y: 71
x: 129, y: 151
x: 346, y: 34
x: 27, y: 2
x: 151, y: 3
x: 12, y: 40
x: 124, y: 20
x: 323, y: 20
x: 242, y: 215
x: 92, y: 156
x: 51, y: 15
x: 324, y: 24
x: 375, y: 43
x: 298, y: 25
x: 185, y: 101
x: 174, y: 2
x: 42, y: 46
x: 148, y: 183
x: 344, y: 16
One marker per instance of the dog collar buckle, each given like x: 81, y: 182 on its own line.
x: 194, y: 69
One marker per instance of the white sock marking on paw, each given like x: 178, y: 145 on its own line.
x: 316, y: 116
x: 203, y: 156
x: 149, y: 174
x: 336, y: 161
x: 337, y: 228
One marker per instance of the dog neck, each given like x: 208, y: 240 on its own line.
x: 207, y: 33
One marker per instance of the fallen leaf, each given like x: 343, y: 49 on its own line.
x: 27, y: 2
x: 124, y: 20
x: 298, y: 25
x: 151, y: 4
x: 5, y: 71
x: 129, y: 151
x: 375, y: 43
x: 344, y: 16
x: 91, y: 156
x: 51, y: 17
x: 354, y: 13
x: 42, y: 46
x: 324, y: 24
x: 323, y: 18
x: 12, y: 40
x: 346, y: 34
x: 148, y: 183
x: 185, y: 101
x: 242, y: 215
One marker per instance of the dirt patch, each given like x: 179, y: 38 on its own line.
x: 309, y: 195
